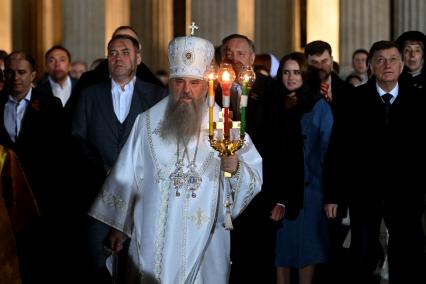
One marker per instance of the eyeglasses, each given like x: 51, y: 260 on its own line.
x: 388, y: 61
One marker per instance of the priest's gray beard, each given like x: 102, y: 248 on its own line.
x: 182, y: 121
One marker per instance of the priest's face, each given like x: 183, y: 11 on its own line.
x: 185, y: 109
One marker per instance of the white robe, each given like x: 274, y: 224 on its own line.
x: 175, y: 239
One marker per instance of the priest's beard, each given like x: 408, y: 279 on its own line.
x: 182, y: 120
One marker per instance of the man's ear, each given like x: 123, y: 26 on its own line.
x: 33, y: 75
x: 138, y: 58
x: 252, y: 57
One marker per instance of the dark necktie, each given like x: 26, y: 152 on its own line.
x: 387, y: 100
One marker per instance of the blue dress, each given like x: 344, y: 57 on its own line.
x: 304, y: 240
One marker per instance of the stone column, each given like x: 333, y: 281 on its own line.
x: 153, y: 20
x: 274, y: 27
x: 36, y: 27
x: 215, y: 19
x: 6, y: 25
x: 117, y: 13
x: 323, y: 23
x: 84, y: 29
x: 408, y: 15
x: 362, y: 22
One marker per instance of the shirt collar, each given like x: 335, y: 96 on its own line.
x: 393, y: 92
x: 56, y: 85
x: 127, y: 87
x: 27, y: 97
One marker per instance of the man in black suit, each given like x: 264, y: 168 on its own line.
x: 103, y: 120
x: 101, y: 72
x: 253, y: 228
x: 29, y: 125
x: 58, y: 82
x: 319, y: 55
x: 377, y: 167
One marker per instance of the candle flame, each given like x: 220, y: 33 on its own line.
x: 226, y: 77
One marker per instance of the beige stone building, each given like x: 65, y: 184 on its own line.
x: 277, y: 26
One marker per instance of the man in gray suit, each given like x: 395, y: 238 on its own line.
x: 103, y: 120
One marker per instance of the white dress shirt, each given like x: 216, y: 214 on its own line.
x: 63, y: 93
x: 14, y: 112
x: 393, y: 92
x: 122, y: 99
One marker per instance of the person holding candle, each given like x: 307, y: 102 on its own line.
x: 303, y: 122
x: 167, y: 191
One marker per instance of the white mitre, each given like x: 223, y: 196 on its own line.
x: 189, y: 56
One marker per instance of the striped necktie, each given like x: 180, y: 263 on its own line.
x: 324, y: 91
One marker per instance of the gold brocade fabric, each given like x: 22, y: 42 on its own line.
x: 17, y: 209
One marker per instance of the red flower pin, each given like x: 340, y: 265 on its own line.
x: 35, y: 104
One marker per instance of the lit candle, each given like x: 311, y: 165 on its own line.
x: 210, y: 77
x: 243, y: 105
x: 246, y: 78
x: 226, y: 98
x: 226, y: 76
x: 211, y: 105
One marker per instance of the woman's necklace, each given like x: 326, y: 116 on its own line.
x: 191, y: 180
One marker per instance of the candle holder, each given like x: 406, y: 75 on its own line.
x: 246, y: 79
x: 226, y: 144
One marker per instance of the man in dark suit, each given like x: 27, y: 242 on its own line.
x: 103, y: 120
x: 376, y: 166
x: 29, y: 125
x: 253, y: 226
x: 58, y: 82
x: 101, y: 72
x: 319, y: 55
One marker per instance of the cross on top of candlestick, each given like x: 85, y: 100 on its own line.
x: 193, y: 27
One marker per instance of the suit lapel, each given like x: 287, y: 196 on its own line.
x: 30, y: 116
x: 4, y: 136
x: 137, y: 106
x: 106, y: 108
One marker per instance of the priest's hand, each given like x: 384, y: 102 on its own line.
x: 114, y: 241
x: 230, y: 164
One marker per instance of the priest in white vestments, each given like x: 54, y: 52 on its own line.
x: 167, y: 190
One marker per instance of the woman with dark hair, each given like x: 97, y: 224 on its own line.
x: 412, y: 47
x: 302, y: 123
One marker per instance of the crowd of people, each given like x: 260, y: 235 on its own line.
x: 107, y: 175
